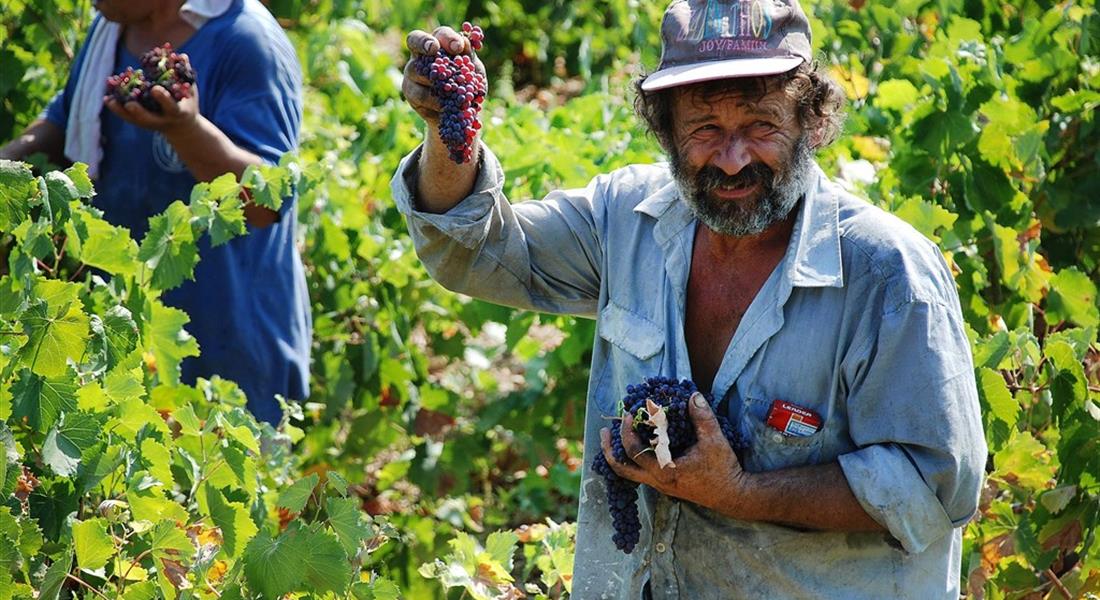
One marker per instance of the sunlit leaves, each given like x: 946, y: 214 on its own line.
x: 1072, y: 298
x: 54, y: 337
x: 67, y: 440
x: 167, y: 340
x: 217, y: 207
x: 1025, y: 462
x: 233, y: 520
x: 484, y: 573
x: 40, y: 400
x: 926, y: 217
x: 93, y: 544
x: 113, y: 337
x: 168, y: 248
x: 273, y: 566
x: 895, y: 94
x: 97, y: 243
x: 294, y: 498
x: 1000, y: 410
x: 1012, y: 139
x: 17, y: 188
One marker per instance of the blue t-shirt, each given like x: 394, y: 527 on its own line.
x: 248, y: 303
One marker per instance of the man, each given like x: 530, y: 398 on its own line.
x: 828, y: 331
x: 248, y: 303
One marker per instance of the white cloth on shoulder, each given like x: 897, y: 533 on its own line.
x: 82, y: 132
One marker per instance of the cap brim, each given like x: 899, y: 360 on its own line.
x: 722, y: 69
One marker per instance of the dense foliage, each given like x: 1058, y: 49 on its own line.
x: 444, y: 418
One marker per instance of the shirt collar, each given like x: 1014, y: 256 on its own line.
x: 813, y: 254
x: 814, y: 249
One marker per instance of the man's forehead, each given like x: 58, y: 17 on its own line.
x: 696, y: 102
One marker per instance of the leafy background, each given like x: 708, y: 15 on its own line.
x: 438, y: 454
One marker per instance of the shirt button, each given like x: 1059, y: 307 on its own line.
x: 777, y: 437
x: 660, y: 547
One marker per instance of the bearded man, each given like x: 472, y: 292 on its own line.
x: 826, y: 330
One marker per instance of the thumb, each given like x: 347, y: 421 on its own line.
x: 703, y: 417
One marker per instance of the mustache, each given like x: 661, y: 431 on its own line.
x: 710, y: 178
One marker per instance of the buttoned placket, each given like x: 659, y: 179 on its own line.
x: 661, y: 554
x: 675, y: 234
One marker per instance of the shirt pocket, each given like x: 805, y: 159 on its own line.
x: 768, y: 449
x: 635, y: 352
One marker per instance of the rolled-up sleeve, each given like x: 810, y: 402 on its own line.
x: 914, y: 415
x: 539, y: 255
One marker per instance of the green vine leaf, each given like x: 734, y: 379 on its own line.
x: 275, y: 566
x: 93, y: 544
x: 169, y: 247
x: 294, y: 498
x: 54, y: 337
x: 40, y: 400
x: 1072, y: 298
x: 66, y: 442
x: 167, y: 340
x: 232, y: 518
x: 17, y: 188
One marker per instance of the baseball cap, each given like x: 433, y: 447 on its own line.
x: 703, y: 40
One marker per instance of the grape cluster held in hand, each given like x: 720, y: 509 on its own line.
x: 161, y: 67
x: 460, y: 89
x: 673, y: 397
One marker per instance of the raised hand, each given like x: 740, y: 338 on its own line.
x: 445, y: 83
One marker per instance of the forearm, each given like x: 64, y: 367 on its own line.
x: 40, y: 136
x: 442, y: 183
x: 208, y: 153
x: 814, y: 497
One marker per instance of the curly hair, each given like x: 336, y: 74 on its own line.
x: 819, y: 99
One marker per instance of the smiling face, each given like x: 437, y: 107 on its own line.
x: 741, y: 159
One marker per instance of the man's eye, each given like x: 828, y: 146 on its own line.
x: 764, y: 126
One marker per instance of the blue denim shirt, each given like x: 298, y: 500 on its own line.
x: 860, y: 322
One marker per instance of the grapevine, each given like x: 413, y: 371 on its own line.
x: 460, y: 89
x: 622, y: 494
x: 160, y: 66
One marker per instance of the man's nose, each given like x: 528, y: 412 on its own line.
x: 733, y: 156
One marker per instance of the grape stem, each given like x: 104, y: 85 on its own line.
x: 87, y: 585
x: 1058, y: 584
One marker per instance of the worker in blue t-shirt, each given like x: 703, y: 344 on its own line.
x: 248, y: 303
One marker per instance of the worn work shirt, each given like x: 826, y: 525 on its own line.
x: 859, y: 322
x: 248, y: 303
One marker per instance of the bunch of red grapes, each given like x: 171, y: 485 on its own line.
x: 159, y: 67
x: 461, y: 90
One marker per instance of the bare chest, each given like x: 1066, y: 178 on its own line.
x: 717, y: 299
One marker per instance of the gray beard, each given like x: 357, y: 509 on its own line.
x: 780, y: 194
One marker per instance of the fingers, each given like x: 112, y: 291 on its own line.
x: 706, y: 425
x: 418, y: 94
x: 452, y: 41
x: 115, y: 107
x: 624, y: 470
x: 445, y: 38
x: 636, y: 449
x: 168, y: 107
x: 421, y: 42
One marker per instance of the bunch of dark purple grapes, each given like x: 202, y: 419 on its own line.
x: 461, y: 90
x: 159, y: 67
x: 622, y: 494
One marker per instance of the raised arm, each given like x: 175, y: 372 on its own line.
x: 441, y: 183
